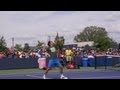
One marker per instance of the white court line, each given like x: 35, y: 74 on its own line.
x: 36, y: 76
x: 107, y: 77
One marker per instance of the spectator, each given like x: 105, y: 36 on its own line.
x: 68, y: 54
x: 1, y: 55
x: 77, y: 60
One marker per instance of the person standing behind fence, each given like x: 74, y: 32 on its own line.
x: 68, y: 54
x: 42, y: 56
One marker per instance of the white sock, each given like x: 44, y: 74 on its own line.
x: 44, y: 75
x: 62, y: 75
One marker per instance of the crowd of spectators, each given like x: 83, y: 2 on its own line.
x: 18, y: 54
x: 67, y: 55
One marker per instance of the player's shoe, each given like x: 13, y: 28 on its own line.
x: 63, y: 77
x: 44, y: 77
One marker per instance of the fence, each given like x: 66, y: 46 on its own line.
x: 102, y: 62
x: 98, y: 62
x: 11, y: 63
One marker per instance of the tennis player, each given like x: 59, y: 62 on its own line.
x: 53, y: 60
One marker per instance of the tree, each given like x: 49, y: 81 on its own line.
x: 18, y: 47
x: 2, y: 44
x: 59, y: 42
x: 26, y: 47
x: 103, y: 43
x: 90, y: 33
x: 39, y: 44
x: 97, y: 34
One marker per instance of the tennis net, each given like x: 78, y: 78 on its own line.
x: 109, y: 62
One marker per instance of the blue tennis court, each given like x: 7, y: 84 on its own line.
x: 71, y: 74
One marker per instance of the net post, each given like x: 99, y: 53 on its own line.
x: 95, y: 62
x: 105, y: 62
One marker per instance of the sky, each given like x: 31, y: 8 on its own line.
x: 31, y: 26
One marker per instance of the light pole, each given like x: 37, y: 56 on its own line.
x: 13, y: 42
x: 49, y: 38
